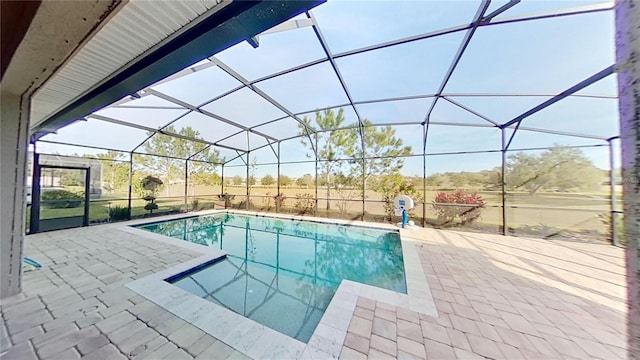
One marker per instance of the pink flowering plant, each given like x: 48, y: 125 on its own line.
x: 465, y: 207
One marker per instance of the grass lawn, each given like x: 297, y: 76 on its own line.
x: 544, y: 212
x: 99, y: 209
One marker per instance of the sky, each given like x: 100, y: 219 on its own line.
x: 532, y: 59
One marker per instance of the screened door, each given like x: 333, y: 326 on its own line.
x: 60, y: 198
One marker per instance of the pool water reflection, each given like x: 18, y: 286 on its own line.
x: 283, y: 273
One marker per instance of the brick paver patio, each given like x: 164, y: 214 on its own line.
x: 76, y: 306
x: 503, y: 298
x: 497, y: 297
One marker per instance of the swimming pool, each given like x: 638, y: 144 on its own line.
x: 283, y: 273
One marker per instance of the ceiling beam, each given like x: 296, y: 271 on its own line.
x: 234, y: 23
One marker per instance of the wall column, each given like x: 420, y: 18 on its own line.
x: 628, y: 60
x: 14, y: 146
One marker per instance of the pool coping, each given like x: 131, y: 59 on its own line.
x: 259, y: 341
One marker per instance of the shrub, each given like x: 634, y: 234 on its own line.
x: 61, y: 199
x: 392, y: 185
x: 305, y: 203
x: 467, y: 211
x: 150, y: 206
x: 118, y: 212
x: 139, y: 182
x: 266, y: 201
x: 227, y: 199
x: 150, y: 184
x: 243, y: 205
x: 195, y: 203
x: 280, y: 198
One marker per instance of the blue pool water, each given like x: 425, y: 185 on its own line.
x: 283, y: 273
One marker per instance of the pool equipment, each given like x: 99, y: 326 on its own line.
x: 401, y: 205
x: 28, y: 264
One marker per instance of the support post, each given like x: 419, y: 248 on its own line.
x: 247, y: 187
x: 130, y: 183
x: 627, y: 17
x: 612, y: 193
x: 186, y: 185
x: 87, y: 192
x: 424, y: 175
x: 315, y: 211
x: 224, y: 198
x: 222, y: 182
x: 248, y: 172
x: 503, y: 181
x: 278, y: 197
x: 34, y: 222
x: 14, y: 149
x: 364, y: 169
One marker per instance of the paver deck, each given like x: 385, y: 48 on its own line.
x: 504, y: 298
x: 497, y: 297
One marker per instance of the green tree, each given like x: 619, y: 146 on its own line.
x: 306, y: 181
x: 383, y: 152
x: 115, y: 172
x: 332, y: 142
x: 151, y: 184
x: 285, y: 180
x: 392, y: 185
x: 267, y: 180
x: 252, y: 174
x: 237, y: 180
x: 491, y: 179
x: 473, y: 179
x: 204, y: 178
x: 136, y: 185
x: 558, y: 168
x: 171, y: 150
x: 435, y: 180
x: 324, y: 180
x: 574, y: 172
x: 458, y: 180
x: 417, y: 181
x: 71, y: 178
x: 346, y: 189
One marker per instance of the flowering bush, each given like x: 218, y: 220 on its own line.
x: 465, y: 207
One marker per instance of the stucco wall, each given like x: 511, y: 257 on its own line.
x: 14, y: 143
x: 628, y: 53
